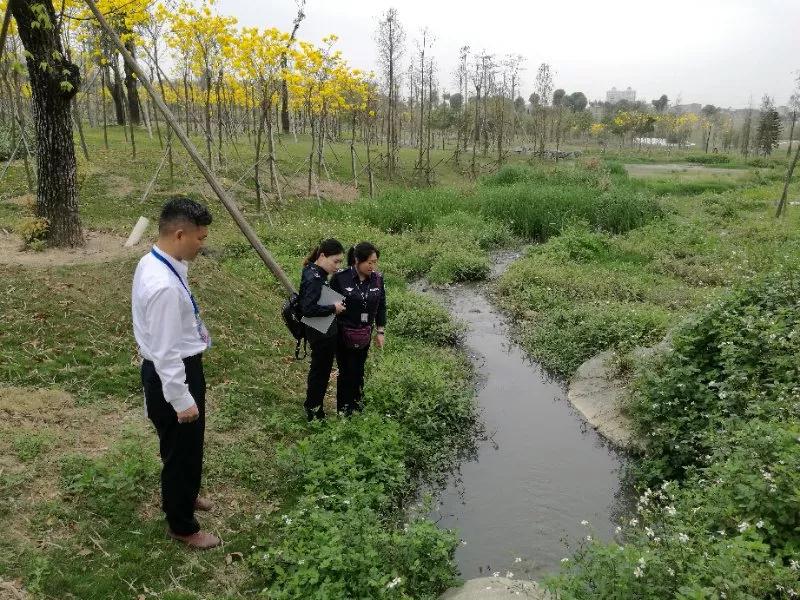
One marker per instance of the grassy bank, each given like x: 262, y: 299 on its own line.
x: 318, y: 511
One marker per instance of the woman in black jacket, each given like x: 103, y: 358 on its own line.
x: 324, y: 260
x: 365, y: 311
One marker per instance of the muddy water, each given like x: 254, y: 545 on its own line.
x: 542, y: 470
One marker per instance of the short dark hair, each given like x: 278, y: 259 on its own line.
x: 182, y: 209
x: 361, y: 252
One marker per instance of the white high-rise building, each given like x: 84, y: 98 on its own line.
x: 614, y: 95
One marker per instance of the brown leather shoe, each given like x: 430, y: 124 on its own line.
x: 203, y: 504
x: 200, y: 540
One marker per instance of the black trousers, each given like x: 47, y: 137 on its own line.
x: 350, y: 384
x: 323, y: 351
x: 181, y: 445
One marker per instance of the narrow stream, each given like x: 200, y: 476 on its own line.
x: 542, y: 470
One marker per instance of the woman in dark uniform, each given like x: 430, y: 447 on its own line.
x: 324, y: 260
x: 365, y: 314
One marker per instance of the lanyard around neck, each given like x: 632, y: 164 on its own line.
x: 368, y: 281
x: 171, y: 268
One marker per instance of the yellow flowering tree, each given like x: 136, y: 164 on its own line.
x: 257, y: 56
x: 202, y: 39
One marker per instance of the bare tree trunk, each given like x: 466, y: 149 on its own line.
x: 273, y: 176
x: 105, y: 112
x: 169, y: 129
x: 208, y: 117
x: 186, y: 98
x: 56, y: 193
x: 117, y: 95
x: 130, y: 86
x: 782, y: 203
x: 219, y: 117
x: 353, y: 153
x: 77, y: 119
x: 311, y: 156
x: 257, y: 168
x: 791, y: 133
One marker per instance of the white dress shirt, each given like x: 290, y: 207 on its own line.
x: 164, y: 323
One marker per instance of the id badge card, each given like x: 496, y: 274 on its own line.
x: 364, y: 317
x: 202, y: 331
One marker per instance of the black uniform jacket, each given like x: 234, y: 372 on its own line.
x: 311, y: 282
x: 368, y: 296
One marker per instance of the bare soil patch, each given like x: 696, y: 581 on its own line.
x: 12, y: 590
x: 52, y: 417
x: 24, y: 201
x: 658, y: 169
x: 100, y: 247
x: 119, y: 186
x: 328, y: 189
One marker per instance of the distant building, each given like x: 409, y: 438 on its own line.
x: 614, y: 95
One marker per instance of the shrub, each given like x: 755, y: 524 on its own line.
x: 487, y: 233
x: 426, y: 397
x: 459, y: 264
x: 708, y: 159
x: 33, y: 231
x: 586, y: 329
x: 403, y: 210
x: 736, y: 360
x: 417, y: 317
x: 327, y: 553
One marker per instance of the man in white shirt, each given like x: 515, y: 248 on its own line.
x: 171, y: 339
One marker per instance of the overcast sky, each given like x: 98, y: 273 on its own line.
x: 710, y: 51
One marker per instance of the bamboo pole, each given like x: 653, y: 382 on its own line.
x: 231, y: 207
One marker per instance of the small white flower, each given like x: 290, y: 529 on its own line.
x: 743, y: 526
x: 794, y: 565
x: 347, y: 502
x: 759, y: 524
x: 634, y: 522
x: 564, y: 560
x: 518, y: 560
x: 721, y: 533
x: 670, y: 510
x: 671, y: 572
x: 258, y: 517
x: 650, y: 533
x: 618, y: 529
x: 588, y: 538
x: 302, y: 561
x: 509, y: 575
x: 584, y: 522
x: 683, y: 538
x: 394, y: 583
x: 638, y: 572
x: 496, y: 574
x: 287, y: 519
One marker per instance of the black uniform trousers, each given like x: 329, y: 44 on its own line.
x: 350, y: 384
x: 181, y: 444
x: 323, y: 351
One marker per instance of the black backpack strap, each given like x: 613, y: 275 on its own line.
x: 297, y: 349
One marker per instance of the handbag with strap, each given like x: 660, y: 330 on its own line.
x: 358, y: 338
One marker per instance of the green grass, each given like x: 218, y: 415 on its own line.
x: 586, y: 291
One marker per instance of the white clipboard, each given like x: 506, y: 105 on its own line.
x: 322, y: 324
